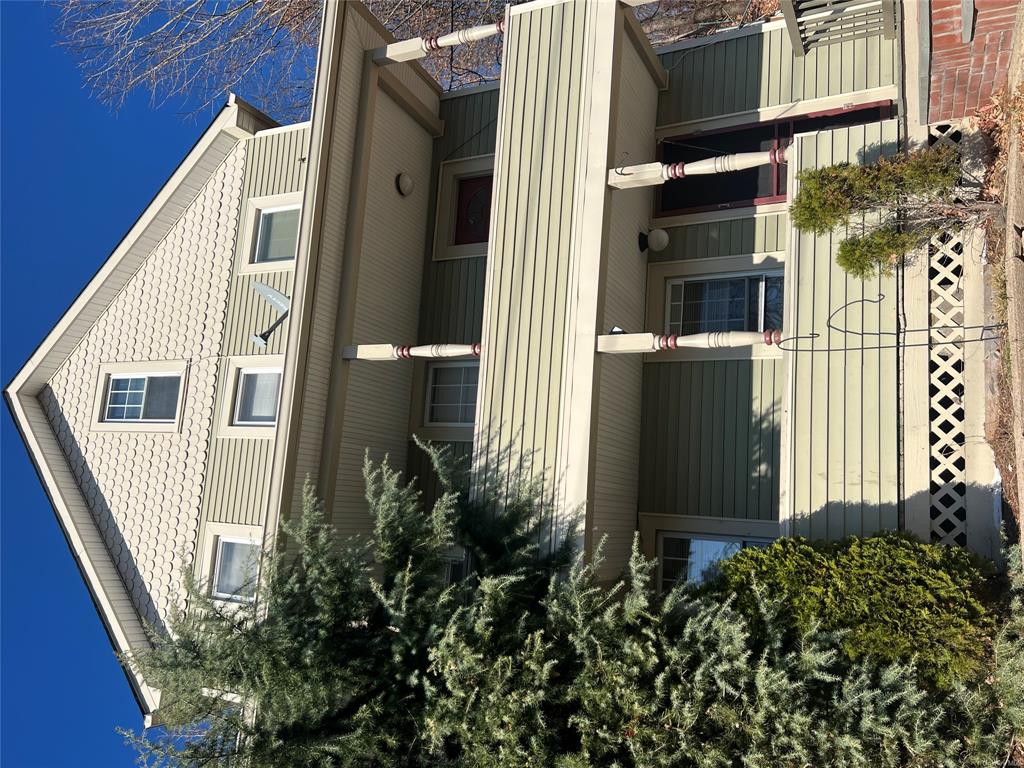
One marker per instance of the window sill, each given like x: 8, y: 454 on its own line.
x: 453, y: 252
x: 262, y: 267
x: 164, y: 427
x: 434, y: 433
x: 245, y: 431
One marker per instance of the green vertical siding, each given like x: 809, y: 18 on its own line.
x: 733, y: 237
x: 451, y: 307
x: 420, y: 468
x: 759, y: 70
x: 275, y: 163
x: 470, y: 125
x: 844, y: 460
x: 710, y: 439
x: 238, y: 473
x: 533, y: 269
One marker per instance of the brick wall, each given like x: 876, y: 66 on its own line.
x: 964, y: 76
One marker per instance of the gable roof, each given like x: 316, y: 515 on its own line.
x: 236, y: 121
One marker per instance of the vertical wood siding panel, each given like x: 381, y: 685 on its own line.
x: 235, y: 490
x: 532, y: 384
x: 888, y: 138
x: 726, y: 501
x: 735, y: 237
x: 740, y: 439
x: 844, y: 406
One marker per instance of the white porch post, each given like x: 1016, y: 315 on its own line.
x: 650, y: 174
x: 418, y: 47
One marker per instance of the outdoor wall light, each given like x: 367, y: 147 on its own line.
x: 655, y: 240
x: 404, y: 184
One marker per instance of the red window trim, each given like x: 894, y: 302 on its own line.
x: 884, y: 106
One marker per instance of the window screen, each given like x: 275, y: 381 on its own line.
x: 277, y: 236
x: 142, y: 397
x: 236, y: 569
x: 693, y: 560
x: 728, y: 303
x: 256, y: 397
x: 473, y: 210
x: 452, y: 393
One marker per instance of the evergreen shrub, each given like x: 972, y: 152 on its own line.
x: 878, y: 251
x: 830, y: 196
x: 894, y: 598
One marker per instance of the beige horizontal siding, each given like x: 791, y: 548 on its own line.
x: 379, y: 395
x: 843, y: 404
x: 760, y: 70
x: 711, y: 432
x: 619, y: 380
x: 732, y: 237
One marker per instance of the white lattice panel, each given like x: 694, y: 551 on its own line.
x: 947, y: 451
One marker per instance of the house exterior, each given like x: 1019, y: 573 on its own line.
x: 457, y: 267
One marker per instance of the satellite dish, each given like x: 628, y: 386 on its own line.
x: 278, y: 301
x: 274, y: 297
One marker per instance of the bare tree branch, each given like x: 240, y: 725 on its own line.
x: 265, y: 49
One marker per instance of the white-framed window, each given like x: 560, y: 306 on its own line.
x: 235, y: 569
x: 692, y: 558
x: 142, y: 397
x: 451, y: 393
x: 463, y: 207
x: 257, y: 391
x: 746, y: 301
x: 277, y: 234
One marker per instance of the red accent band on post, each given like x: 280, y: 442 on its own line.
x: 402, y: 352
x: 476, y: 349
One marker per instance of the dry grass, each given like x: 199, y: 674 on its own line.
x: 1001, y: 120
x: 1000, y: 419
x: 1003, y: 123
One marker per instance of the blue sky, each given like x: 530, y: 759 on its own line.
x: 73, y: 178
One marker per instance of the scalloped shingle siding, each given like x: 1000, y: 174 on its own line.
x: 145, y: 488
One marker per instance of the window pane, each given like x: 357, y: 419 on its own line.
x: 694, y: 560
x: 257, y: 397
x: 278, y: 233
x: 452, y: 394
x: 445, y: 414
x: 704, y: 556
x: 672, y: 546
x: 473, y: 210
x: 237, y: 566
x: 135, y: 398
x: 754, y: 303
x: 718, y: 189
x: 714, y: 305
x: 670, y: 569
x: 773, y: 302
x: 161, y: 398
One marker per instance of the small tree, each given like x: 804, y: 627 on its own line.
x: 887, y: 208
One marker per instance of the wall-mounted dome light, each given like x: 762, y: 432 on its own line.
x: 654, y: 241
x: 404, y: 184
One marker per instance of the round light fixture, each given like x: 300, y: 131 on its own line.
x: 404, y: 184
x: 655, y: 240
